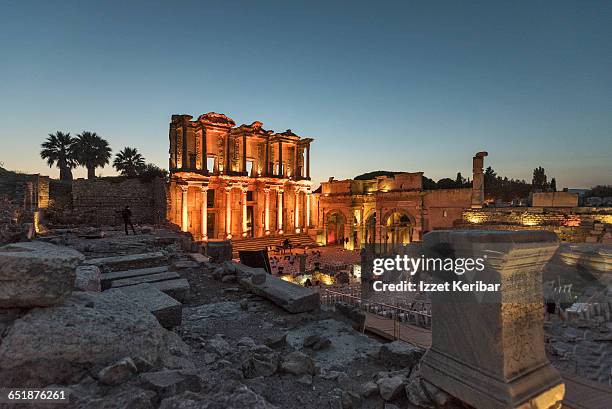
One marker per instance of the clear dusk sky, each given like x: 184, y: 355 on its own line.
x: 407, y: 85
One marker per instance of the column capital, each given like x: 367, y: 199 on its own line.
x: 184, y: 188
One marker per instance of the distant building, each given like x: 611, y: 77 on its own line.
x: 390, y: 209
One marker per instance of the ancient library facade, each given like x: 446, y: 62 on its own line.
x: 237, y: 182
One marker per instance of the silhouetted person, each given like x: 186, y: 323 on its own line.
x: 127, y: 219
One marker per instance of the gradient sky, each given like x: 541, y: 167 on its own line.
x: 410, y: 85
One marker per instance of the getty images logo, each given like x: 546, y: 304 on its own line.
x: 413, y: 264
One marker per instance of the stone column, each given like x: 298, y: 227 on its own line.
x: 308, y: 161
x: 279, y: 211
x: 267, y: 212
x: 267, y: 156
x: 228, y: 212
x: 488, y: 346
x: 184, y: 215
x: 244, y: 153
x: 308, y: 209
x: 478, y: 180
x: 280, y: 159
x: 204, y: 151
x: 204, y: 209
x: 185, y: 159
x: 244, y: 212
x: 297, y: 211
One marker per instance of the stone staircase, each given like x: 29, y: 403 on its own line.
x: 148, y: 280
x: 261, y: 243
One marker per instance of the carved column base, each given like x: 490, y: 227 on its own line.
x: 488, y: 346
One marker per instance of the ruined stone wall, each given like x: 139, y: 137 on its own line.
x: 445, y: 207
x: 555, y: 199
x: 577, y: 224
x: 100, y: 201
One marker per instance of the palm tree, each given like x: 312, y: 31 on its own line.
x: 129, y: 162
x: 58, y: 149
x: 92, y: 152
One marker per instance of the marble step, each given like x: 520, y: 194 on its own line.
x: 150, y: 278
x: 107, y: 278
x: 128, y: 262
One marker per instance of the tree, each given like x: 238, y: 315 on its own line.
x: 58, y: 149
x: 92, y: 152
x: 459, y: 180
x: 129, y: 162
x: 151, y: 171
x: 446, y: 183
x: 428, y: 184
x: 553, y: 185
x: 539, y: 179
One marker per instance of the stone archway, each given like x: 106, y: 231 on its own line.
x: 335, y: 222
x: 399, y: 227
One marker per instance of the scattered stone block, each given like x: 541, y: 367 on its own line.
x: 291, y: 297
x: 368, y: 389
x: 107, y: 278
x: 177, y: 289
x: 149, y: 278
x: 201, y: 259
x: 118, y: 372
x: 36, y: 274
x: 87, y: 279
x: 297, y: 363
x: 170, y: 383
x: 128, y: 262
x: 166, y: 309
x: 390, y: 388
x: 184, y: 264
x: 399, y: 353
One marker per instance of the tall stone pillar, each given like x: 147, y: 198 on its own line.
x: 244, y: 212
x: 308, y: 224
x: 228, y: 212
x: 204, y: 210
x: 280, y: 159
x: 184, y: 147
x: 279, y: 211
x: 244, y: 153
x: 267, y: 212
x: 267, y: 158
x: 184, y: 215
x: 297, y: 211
x: 488, y: 346
x: 308, y: 161
x: 204, y: 151
x: 478, y: 180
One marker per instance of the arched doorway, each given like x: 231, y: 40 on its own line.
x: 370, y: 230
x: 334, y: 231
x: 399, y: 228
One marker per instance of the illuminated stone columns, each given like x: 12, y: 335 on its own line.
x: 204, y: 208
x: 244, y: 211
x: 279, y: 212
x: 297, y: 210
x: 267, y: 212
x: 184, y: 215
x: 228, y: 212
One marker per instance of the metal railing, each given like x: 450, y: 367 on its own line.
x: 394, y: 315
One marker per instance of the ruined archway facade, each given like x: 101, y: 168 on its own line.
x: 394, y: 209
